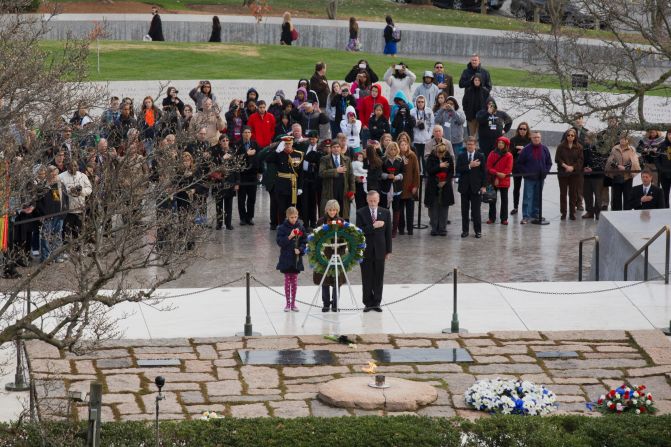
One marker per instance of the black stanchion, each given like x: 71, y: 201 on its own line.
x: 540, y: 220
x: 667, y: 330
x: 419, y: 225
x: 454, y: 326
x: 20, y: 383
x: 248, y: 332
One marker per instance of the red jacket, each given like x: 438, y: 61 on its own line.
x: 263, y: 128
x: 367, y: 106
x: 505, y: 166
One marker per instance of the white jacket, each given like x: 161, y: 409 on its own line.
x: 397, y: 84
x: 352, y: 130
x: 421, y: 136
x: 70, y: 181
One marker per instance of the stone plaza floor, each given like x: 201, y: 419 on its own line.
x: 211, y: 376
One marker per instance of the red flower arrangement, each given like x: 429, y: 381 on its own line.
x: 442, y: 176
x: 625, y: 399
x: 350, y: 195
x: 297, y: 232
x: 391, y: 170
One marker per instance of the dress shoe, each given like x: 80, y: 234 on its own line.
x: 433, y: 233
x: 504, y: 222
x: 273, y: 227
x: 401, y: 232
x: 250, y: 222
x: 490, y: 221
x: 563, y: 216
x: 334, y: 309
x: 367, y: 309
x: 377, y: 309
x: 524, y: 222
x: 513, y: 212
x: 243, y: 222
x: 464, y: 234
x: 325, y: 308
x: 229, y: 227
x: 572, y: 217
x: 410, y: 232
x: 478, y: 235
x: 588, y: 216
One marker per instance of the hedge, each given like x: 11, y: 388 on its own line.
x: 369, y: 431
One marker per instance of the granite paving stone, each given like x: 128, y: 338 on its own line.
x: 615, y: 348
x: 440, y: 367
x: 225, y: 362
x: 491, y: 359
x: 163, y: 350
x: 306, y: 371
x: 168, y: 405
x: 576, y: 380
x: 272, y: 343
x: 254, y: 398
x: 498, y: 350
x: 469, y: 342
x: 116, y: 398
x: 114, y: 363
x: 249, y: 411
x: 568, y: 398
x: 542, y: 379
x: 598, y: 363
x: 85, y: 367
x: 226, y: 373
x: 224, y: 388
x: 321, y: 410
x: 260, y: 376
x: 437, y: 411
x: 128, y: 408
x: 373, y: 338
x: 516, y: 335
x: 199, y: 366
x: 505, y: 368
x: 186, y: 377
x: 651, y: 371
x: 621, y: 355
x: 264, y: 391
x: 593, y: 392
x: 98, y: 354
x: 571, y: 347
x: 229, y: 345
x: 414, y: 342
x: 445, y: 344
x: 192, y: 397
x: 659, y: 356
x: 658, y: 386
x: 123, y: 382
x: 564, y: 389
x: 206, y: 352
x: 51, y: 366
x: 586, y: 335
x: 596, y: 373
x: 299, y: 396
x: 650, y: 339
x: 522, y: 358
x: 37, y: 349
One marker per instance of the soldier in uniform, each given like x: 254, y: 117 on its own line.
x: 288, y: 185
x: 311, y: 181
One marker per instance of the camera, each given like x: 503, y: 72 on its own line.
x: 234, y: 107
x: 421, y: 125
x: 76, y: 189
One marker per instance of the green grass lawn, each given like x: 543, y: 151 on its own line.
x: 134, y: 60
x: 371, y: 10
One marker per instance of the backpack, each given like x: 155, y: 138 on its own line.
x: 396, y: 34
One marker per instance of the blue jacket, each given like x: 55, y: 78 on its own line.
x: 531, y: 167
x: 288, y: 262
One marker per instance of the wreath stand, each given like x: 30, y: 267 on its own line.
x: 335, y: 263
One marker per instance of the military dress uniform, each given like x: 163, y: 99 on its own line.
x: 289, y: 182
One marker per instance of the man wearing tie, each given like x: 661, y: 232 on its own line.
x: 335, y: 170
x: 646, y: 196
x: 471, y: 171
x: 375, y: 222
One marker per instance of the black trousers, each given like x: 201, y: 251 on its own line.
x: 471, y: 201
x: 72, y: 226
x: 246, y: 201
x: 407, y: 214
x: 503, y: 193
x: 283, y: 202
x: 359, y: 196
x: 224, y: 204
x: 621, y: 192
x: 308, y: 202
x: 275, y: 218
x: 666, y: 188
x: 372, y: 281
x: 517, y: 186
x: 329, y: 295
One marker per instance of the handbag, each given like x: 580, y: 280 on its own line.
x: 489, y: 196
x: 294, y: 34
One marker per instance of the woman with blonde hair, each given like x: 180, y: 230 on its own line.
x: 329, y: 292
x: 622, y: 161
x: 391, y: 185
x: 410, y: 184
x: 287, y: 29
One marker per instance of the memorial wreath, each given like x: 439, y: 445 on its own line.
x: 350, y: 236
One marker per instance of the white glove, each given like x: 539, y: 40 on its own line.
x: 280, y: 147
x: 299, y: 192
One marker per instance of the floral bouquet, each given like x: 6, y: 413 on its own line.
x: 625, y: 399
x: 442, y: 179
x: 349, y: 195
x: 208, y: 415
x: 297, y: 242
x: 510, y: 397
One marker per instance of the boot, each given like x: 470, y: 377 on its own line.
x: 394, y: 225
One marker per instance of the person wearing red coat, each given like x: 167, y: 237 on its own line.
x: 263, y: 125
x: 499, y: 167
x: 367, y: 105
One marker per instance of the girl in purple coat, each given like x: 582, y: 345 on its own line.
x: 291, y: 238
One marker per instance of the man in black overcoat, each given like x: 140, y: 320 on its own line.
x: 375, y: 222
x: 471, y: 169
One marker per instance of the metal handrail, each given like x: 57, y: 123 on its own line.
x: 596, y: 256
x: 666, y: 229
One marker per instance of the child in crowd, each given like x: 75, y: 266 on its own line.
x: 358, y: 169
x: 291, y: 238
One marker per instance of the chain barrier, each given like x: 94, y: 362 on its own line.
x: 518, y: 289
x: 412, y: 295
x: 219, y: 286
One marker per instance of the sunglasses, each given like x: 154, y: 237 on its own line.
x: 523, y: 128
x: 438, y: 66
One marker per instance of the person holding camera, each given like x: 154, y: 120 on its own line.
x: 423, y: 116
x: 77, y: 187
x: 622, y: 161
x: 427, y: 89
x: 493, y: 123
x: 399, y: 78
x: 356, y: 68
x: 202, y: 92
x: 173, y: 108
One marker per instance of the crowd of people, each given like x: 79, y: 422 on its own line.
x: 329, y: 145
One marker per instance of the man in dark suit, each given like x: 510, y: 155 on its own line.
x: 471, y: 169
x: 646, y: 196
x: 375, y: 222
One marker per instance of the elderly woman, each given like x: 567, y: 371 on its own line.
x: 439, y: 194
x: 621, y: 162
x: 329, y: 292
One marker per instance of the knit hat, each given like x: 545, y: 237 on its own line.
x: 280, y: 93
x: 505, y: 140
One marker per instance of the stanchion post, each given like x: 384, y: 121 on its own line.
x: 667, y: 330
x: 248, y: 331
x: 419, y: 225
x: 454, y: 326
x: 95, y: 408
x: 20, y: 383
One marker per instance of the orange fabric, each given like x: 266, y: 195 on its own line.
x: 149, y: 117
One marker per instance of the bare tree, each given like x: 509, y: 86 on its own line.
x: 129, y: 225
x: 632, y: 59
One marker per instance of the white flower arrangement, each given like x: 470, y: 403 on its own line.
x: 208, y: 415
x: 510, y: 397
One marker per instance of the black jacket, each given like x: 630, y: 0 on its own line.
x: 378, y: 127
x: 249, y: 174
x: 378, y: 240
x: 403, y: 122
x: 433, y: 192
x: 657, y: 202
x: 341, y: 103
x: 491, y: 127
x: 469, y: 72
x: 351, y: 76
x: 156, y: 29
x: 474, y: 100
x: 471, y: 180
